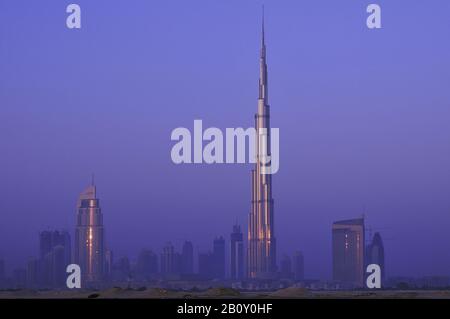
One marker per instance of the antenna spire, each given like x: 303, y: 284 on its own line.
x: 262, y: 64
x: 262, y: 27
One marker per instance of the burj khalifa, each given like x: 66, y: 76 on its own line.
x: 261, y: 258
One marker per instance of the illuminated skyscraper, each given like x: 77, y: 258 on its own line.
x: 261, y: 259
x: 89, y: 237
x: 348, y: 252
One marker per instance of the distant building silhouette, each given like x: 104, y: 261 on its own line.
x: 19, y: 278
x: 59, y: 266
x: 211, y: 265
x: 109, y: 264
x: 298, y: 266
x: 33, y: 273
x: 45, y: 244
x: 205, y: 265
x: 55, y: 256
x: 2, y: 274
x: 89, y: 237
x: 348, y: 252
x: 286, y: 267
x: 219, y: 258
x: 375, y: 254
x: 236, y: 253
x: 121, y: 271
x: 187, y: 258
x: 147, y: 265
x: 170, y: 261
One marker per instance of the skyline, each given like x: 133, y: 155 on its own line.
x: 341, y: 151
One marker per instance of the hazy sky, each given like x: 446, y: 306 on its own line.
x: 363, y: 117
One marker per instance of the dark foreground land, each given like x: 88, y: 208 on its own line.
x: 287, y: 293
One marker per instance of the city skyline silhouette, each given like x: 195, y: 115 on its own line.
x: 362, y: 117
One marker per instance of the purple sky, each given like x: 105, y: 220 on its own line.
x: 363, y: 117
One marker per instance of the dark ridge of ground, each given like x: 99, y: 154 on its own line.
x: 213, y: 293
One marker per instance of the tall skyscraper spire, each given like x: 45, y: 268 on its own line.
x: 89, y: 237
x: 263, y: 65
x: 261, y: 258
x: 262, y: 29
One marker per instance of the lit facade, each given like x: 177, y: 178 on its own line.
x: 261, y: 257
x: 348, y: 252
x: 89, y: 237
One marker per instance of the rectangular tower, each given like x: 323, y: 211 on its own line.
x: 348, y: 252
x: 236, y: 253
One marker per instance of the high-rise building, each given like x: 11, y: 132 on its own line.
x: 211, y: 265
x: 50, y: 239
x: 261, y: 259
x: 236, y: 253
x: 187, y: 258
x: 375, y: 254
x: 109, y: 264
x: 45, y: 243
x: 298, y: 266
x: 55, y: 256
x: 19, y: 278
x: 348, y: 252
x: 2, y: 273
x: 32, y: 273
x: 219, y: 257
x: 59, y: 266
x: 46, y: 271
x: 62, y: 238
x: 121, y: 271
x: 147, y: 265
x: 170, y: 261
x: 286, y: 267
x: 89, y: 237
x: 205, y: 265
